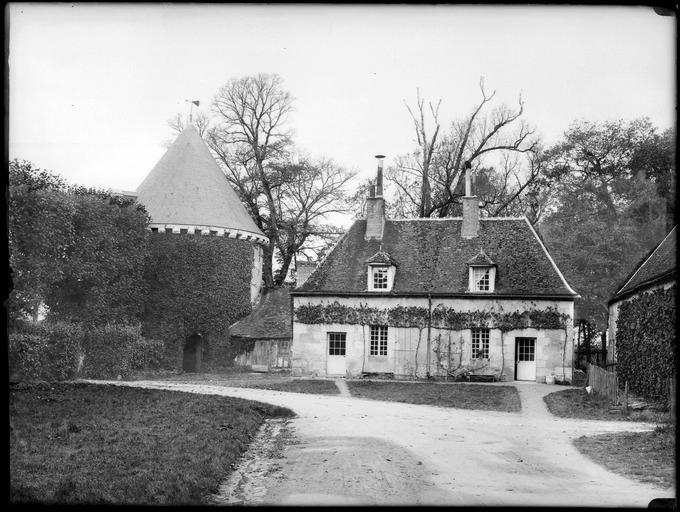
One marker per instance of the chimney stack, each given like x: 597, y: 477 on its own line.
x: 470, y: 227
x: 375, y: 206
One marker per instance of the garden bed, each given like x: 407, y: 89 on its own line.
x: 99, y: 444
x: 461, y: 396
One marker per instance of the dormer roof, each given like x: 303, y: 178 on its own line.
x: 381, y: 258
x: 187, y: 188
x: 481, y: 259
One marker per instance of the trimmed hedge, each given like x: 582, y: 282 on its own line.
x: 62, y: 351
x: 114, y: 349
x: 645, y: 343
x: 45, y: 351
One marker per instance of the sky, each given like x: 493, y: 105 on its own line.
x: 92, y: 86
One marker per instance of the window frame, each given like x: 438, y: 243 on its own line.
x: 332, y: 348
x: 473, y: 280
x: 480, y: 337
x: 378, y: 340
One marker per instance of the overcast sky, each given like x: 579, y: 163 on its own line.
x: 92, y: 86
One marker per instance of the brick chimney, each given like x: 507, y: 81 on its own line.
x: 470, y: 227
x: 375, y: 206
x: 303, y: 270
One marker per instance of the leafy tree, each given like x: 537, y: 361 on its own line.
x: 79, y: 252
x: 603, y: 204
x: 40, y: 233
x: 102, y: 278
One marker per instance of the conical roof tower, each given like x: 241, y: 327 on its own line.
x: 186, y: 190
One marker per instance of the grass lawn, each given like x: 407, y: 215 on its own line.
x: 274, y: 381
x: 576, y: 403
x: 644, y: 456
x: 97, y: 444
x: 461, y: 396
x: 319, y: 387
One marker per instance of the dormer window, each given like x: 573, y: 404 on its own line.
x: 481, y: 279
x: 482, y: 273
x: 381, y: 272
x: 379, y: 278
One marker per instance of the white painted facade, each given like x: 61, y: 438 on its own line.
x: 410, y: 354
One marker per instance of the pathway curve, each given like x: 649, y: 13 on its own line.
x: 353, y: 450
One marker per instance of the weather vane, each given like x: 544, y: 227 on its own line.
x: 191, y: 108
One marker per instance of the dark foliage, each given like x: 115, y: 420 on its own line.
x: 645, y: 342
x: 196, y: 284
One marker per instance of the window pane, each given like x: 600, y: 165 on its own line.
x: 480, y: 343
x: 337, y: 343
x: 379, y: 277
x: 480, y: 277
x: 378, y: 337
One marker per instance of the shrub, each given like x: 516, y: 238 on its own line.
x: 118, y: 349
x: 45, y: 351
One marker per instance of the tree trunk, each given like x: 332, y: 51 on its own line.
x: 267, y: 268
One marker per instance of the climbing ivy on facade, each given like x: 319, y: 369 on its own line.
x: 442, y: 317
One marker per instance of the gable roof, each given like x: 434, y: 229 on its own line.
x: 434, y: 258
x: 269, y: 320
x: 659, y: 264
x: 187, y: 187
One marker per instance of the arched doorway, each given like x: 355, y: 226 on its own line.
x: 193, y: 353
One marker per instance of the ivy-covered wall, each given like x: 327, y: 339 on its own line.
x: 196, y: 284
x: 645, y: 342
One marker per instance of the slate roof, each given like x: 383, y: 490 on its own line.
x: 660, y: 264
x: 187, y: 187
x: 269, y: 320
x: 433, y: 259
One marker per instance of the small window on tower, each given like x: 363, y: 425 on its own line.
x: 168, y: 230
x: 154, y: 230
x: 183, y: 231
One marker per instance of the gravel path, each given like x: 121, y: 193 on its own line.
x: 357, y: 451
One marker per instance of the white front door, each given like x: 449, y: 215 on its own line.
x: 525, y: 348
x: 335, y: 353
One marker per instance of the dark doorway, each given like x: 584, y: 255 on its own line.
x: 193, y: 353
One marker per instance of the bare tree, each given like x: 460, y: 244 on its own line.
x: 436, y: 167
x: 289, y: 201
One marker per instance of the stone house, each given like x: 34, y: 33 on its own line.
x: 445, y: 298
x: 655, y: 273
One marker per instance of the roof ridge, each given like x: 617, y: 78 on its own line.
x: 645, y: 260
x: 545, y: 249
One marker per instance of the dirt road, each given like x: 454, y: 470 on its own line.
x: 343, y: 450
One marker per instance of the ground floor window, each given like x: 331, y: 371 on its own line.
x: 337, y: 343
x: 480, y: 343
x: 378, y: 340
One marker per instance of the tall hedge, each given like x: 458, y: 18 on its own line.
x: 645, y: 342
x: 196, y: 284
